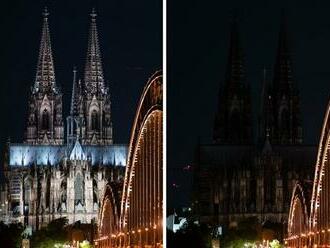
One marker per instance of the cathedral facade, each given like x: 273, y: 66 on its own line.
x: 243, y: 175
x: 52, y: 175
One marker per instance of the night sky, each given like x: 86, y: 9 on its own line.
x: 197, y: 54
x: 130, y: 35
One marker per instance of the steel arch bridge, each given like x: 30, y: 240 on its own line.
x: 139, y: 222
x: 298, y: 222
x: 108, y: 216
x: 316, y: 233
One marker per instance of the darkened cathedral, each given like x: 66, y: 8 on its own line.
x: 50, y: 174
x: 249, y: 172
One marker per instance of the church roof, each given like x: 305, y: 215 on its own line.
x: 25, y: 154
x: 240, y: 155
x: 77, y: 152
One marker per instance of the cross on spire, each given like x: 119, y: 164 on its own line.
x: 93, y: 14
x: 45, y: 13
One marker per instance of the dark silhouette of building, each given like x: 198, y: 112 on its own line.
x: 239, y: 176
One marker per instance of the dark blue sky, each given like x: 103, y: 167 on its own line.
x: 197, y: 54
x: 130, y: 34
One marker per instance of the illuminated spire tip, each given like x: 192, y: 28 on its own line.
x: 93, y: 14
x: 45, y: 13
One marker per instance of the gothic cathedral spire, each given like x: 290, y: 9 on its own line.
x: 75, y: 121
x: 76, y: 95
x: 97, y: 129
x: 233, y: 119
x: 287, y: 124
x: 265, y: 118
x: 45, y: 124
x: 94, y: 79
x: 45, y: 76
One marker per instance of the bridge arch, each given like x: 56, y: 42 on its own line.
x: 317, y: 230
x: 141, y: 204
x: 141, y: 208
x: 298, y: 223
x: 108, y: 218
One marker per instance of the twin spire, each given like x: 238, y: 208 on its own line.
x: 235, y: 71
x: 94, y: 80
x: 283, y: 78
x: 280, y: 113
x: 45, y: 76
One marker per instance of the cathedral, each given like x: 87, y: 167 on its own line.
x: 55, y: 173
x: 243, y: 175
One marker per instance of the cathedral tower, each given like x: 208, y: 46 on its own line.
x: 233, y: 119
x: 287, y: 126
x: 98, y: 125
x: 266, y: 113
x: 45, y: 124
x: 75, y: 121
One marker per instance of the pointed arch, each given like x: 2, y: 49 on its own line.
x: 28, y: 194
x: 141, y: 205
x: 79, y: 189
x: 45, y: 119
x: 108, y: 215
x: 299, y: 208
x: 284, y: 121
x: 236, y: 124
x: 94, y: 120
x: 94, y: 115
x: 317, y: 232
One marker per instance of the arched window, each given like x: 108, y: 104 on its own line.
x: 27, y: 191
x: 45, y: 120
x: 235, y: 126
x: 79, y: 189
x: 285, y: 119
x: 95, y: 120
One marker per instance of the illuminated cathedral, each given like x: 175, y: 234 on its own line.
x: 54, y: 173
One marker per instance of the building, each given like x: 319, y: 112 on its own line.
x: 243, y: 175
x: 50, y: 175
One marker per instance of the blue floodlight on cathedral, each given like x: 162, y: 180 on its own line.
x: 25, y: 155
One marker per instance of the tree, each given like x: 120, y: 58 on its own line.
x: 10, y: 235
x: 53, y: 234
